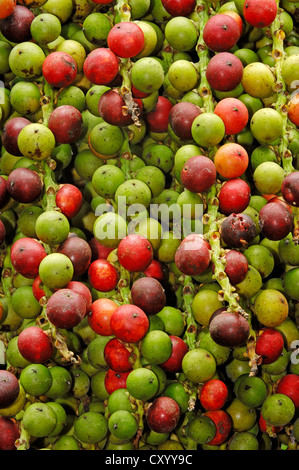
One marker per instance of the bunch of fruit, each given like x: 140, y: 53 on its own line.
x: 149, y: 225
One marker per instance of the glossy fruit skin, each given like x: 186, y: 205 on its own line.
x: 213, y: 395
x: 269, y: 345
x: 115, y: 380
x: 224, y: 71
x: 231, y: 160
x: 66, y: 123
x: 100, y: 316
x: 229, y: 329
x: 9, y: 389
x: 148, y: 294
x: 102, y: 275
x: 26, y: 256
x: 179, y: 349
x: 83, y: 290
x: 236, y: 266
x: 69, y: 199
x: 290, y: 189
x: 135, y: 253
x: 157, y: 119
x: 129, y: 323
x: 35, y: 345
x: 179, y: 7
x: 101, y: 66
x: 126, y: 39
x: 221, y: 33
x: 79, y: 252
x: 98, y: 251
x: 275, y: 221
x: 9, y: 433
x: 288, y: 385
x: 198, y: 174
x: 111, y: 108
x: 65, y: 308
x: 234, y: 196
x: 16, y: 27
x: 24, y: 185
x: 181, y: 117
x: 223, y: 425
x: 238, y: 230
x: 10, y: 133
x: 193, y: 255
x: 59, y: 69
x: 4, y: 194
x: 234, y: 114
x: 163, y: 415
x: 117, y: 356
x: 258, y: 15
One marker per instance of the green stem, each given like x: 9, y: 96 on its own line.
x: 123, y: 9
x: 191, y: 326
x: 47, y: 102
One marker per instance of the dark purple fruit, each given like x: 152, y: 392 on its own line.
x: 148, y: 294
x: 275, y: 221
x: 229, y: 329
x: 10, y: 134
x: 24, y: 185
x: 238, y: 230
x: 16, y: 27
x: 9, y: 388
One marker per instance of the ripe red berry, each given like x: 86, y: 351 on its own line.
x: 129, y: 323
x: 102, y: 275
x: 213, y: 395
x: 135, y: 253
x: 260, y: 14
x: 221, y: 33
x: 289, y: 385
x: 126, y: 39
x: 101, y: 66
x: 234, y: 196
x: 193, y: 255
x: 59, y: 69
x: 269, y: 345
x: 35, y: 345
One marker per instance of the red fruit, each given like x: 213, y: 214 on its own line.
x: 223, y: 424
x: 113, y: 109
x: 198, y: 174
x: 102, y: 275
x: 236, y: 266
x: 193, y: 255
x: 233, y: 113
x: 117, y: 356
x: 179, y: 7
x: 260, y: 14
x: 238, y: 230
x: 83, y: 291
x: 163, y: 415
x: 24, y: 185
x: 181, y: 117
x: 158, y: 119
x: 101, y: 66
x: 16, y: 27
x: 129, y: 323
x: 290, y: 188
x: 221, y: 33
x: 35, y: 345
x: 135, y: 253
x: 213, y: 395
x: 2, y: 231
x: 148, y: 294
x: 69, y: 199
x: 269, y: 345
x: 37, y: 290
x: 126, y: 39
x: 275, y: 221
x: 98, y: 251
x: 66, y: 123
x: 231, y: 160
x: 100, y: 315
x: 179, y: 349
x: 289, y: 385
x: 59, y: 69
x: 156, y: 270
x: 224, y: 71
x: 78, y: 251
x: 229, y: 329
x: 9, y: 433
x: 10, y: 133
x: 65, y: 308
x: 26, y: 255
x: 9, y: 388
x: 267, y: 428
x: 234, y: 196
x: 115, y: 380
x: 4, y: 194
x: 293, y: 109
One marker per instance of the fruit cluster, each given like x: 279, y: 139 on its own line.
x: 149, y: 225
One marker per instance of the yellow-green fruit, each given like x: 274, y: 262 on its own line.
x: 271, y: 308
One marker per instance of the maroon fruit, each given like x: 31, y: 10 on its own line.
x: 135, y: 253
x: 9, y: 388
x: 24, y: 185
x: 4, y: 194
x: 290, y: 188
x: 179, y: 349
x: 148, y: 294
x: 181, y: 117
x: 113, y: 109
x: 224, y: 71
x: 81, y: 289
x: 234, y: 196
x: 26, y: 255
x: 275, y: 221
x: 78, y: 251
x: 198, y: 174
x: 221, y: 33
x: 102, y: 275
x: 2, y: 231
x: 238, y: 230
x: 163, y: 415
x: 101, y: 66
x: 66, y: 123
x: 229, y: 329
x: 117, y: 356
x: 158, y: 119
x: 193, y: 255
x: 59, y: 69
x: 10, y: 134
x: 129, y: 323
x: 269, y: 345
x: 16, y: 27
x: 65, y: 308
x: 35, y: 345
x: 9, y: 433
x: 179, y: 7
x: 236, y: 266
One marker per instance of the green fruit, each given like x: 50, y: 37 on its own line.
x: 39, y: 420
x: 90, y: 427
x: 198, y: 365
x: 278, y: 409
